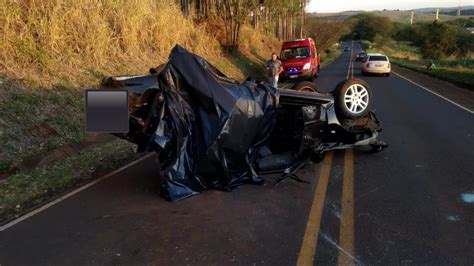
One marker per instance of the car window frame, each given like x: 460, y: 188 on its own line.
x: 384, y: 56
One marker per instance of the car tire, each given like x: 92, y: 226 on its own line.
x: 387, y: 74
x: 363, y: 73
x: 305, y: 86
x: 353, y: 98
x: 316, y: 157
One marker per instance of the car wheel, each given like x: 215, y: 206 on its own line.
x: 306, y: 86
x: 387, y: 74
x: 363, y: 73
x: 353, y: 98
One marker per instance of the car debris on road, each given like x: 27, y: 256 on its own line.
x: 214, y: 132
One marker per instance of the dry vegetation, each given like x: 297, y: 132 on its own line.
x: 74, y: 43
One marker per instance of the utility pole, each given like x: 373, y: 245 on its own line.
x: 411, y: 17
x: 459, y: 9
x: 437, y: 14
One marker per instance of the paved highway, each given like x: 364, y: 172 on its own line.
x: 406, y: 205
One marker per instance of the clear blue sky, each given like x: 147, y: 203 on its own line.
x: 343, y: 5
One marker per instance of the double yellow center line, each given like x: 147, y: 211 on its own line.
x: 310, y: 240
x: 346, y: 232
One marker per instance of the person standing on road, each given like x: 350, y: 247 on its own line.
x: 274, y: 70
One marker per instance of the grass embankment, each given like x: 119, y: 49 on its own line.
x: 330, y: 55
x: 50, y: 51
x: 456, y: 71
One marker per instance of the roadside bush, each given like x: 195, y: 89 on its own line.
x: 465, y: 43
x: 439, y: 41
x: 381, y: 40
x: 410, y: 33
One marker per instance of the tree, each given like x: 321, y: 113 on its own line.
x: 367, y: 26
x: 439, y: 41
x: 279, y: 17
x: 326, y: 32
x: 235, y: 14
x: 465, y: 43
x: 302, y: 16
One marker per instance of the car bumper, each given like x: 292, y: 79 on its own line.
x: 295, y: 76
x: 376, y: 70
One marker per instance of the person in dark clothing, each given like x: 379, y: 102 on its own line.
x: 274, y: 70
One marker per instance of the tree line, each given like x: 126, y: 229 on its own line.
x: 285, y: 19
x: 435, y: 40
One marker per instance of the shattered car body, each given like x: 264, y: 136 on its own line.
x: 214, y: 132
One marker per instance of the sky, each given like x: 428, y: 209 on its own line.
x: 325, y: 6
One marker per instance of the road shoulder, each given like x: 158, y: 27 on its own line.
x: 448, y: 90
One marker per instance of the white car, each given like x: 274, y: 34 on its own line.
x: 376, y: 64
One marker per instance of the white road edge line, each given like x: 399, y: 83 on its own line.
x: 70, y: 194
x: 352, y: 68
x: 348, y: 70
x: 442, y: 97
x: 352, y: 60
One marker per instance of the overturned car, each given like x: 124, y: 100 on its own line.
x: 214, y: 132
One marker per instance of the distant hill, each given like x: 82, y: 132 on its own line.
x: 443, y: 9
x: 421, y: 14
x: 464, y: 12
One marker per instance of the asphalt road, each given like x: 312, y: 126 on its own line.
x: 400, y: 206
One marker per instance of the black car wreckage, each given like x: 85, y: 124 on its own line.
x: 214, y: 132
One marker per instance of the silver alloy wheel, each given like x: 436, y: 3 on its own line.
x: 356, y: 98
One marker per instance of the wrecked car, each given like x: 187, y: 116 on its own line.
x: 214, y: 132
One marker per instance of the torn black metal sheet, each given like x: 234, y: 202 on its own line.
x: 208, y: 128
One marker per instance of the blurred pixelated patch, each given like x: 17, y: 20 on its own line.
x: 106, y: 111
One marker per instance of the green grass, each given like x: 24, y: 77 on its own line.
x: 26, y: 189
x: 328, y: 58
x: 460, y: 63
x: 34, y: 122
x: 253, y: 69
